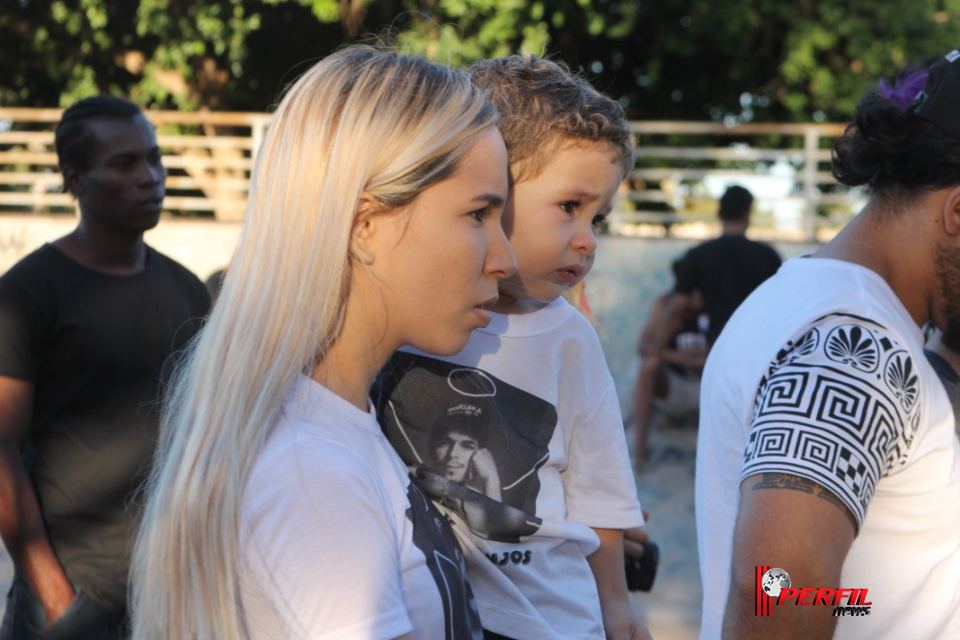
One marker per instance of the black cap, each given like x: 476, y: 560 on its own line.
x: 939, y: 102
x: 465, y: 418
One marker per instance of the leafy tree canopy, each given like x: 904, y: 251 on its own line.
x: 721, y: 60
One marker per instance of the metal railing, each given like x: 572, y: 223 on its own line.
x: 208, y: 155
x: 682, y: 167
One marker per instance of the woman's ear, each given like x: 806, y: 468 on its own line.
x: 363, y: 238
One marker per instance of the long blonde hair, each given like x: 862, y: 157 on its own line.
x: 360, y: 121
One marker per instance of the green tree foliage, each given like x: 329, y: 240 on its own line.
x: 49, y: 48
x: 770, y: 60
x: 723, y: 60
x: 196, y: 48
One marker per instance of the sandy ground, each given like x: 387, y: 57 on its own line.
x: 671, y: 609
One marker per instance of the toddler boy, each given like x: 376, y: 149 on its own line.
x: 545, y: 559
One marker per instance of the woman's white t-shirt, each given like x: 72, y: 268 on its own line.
x: 336, y: 542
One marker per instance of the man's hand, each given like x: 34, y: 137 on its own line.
x: 21, y: 525
x: 485, y: 474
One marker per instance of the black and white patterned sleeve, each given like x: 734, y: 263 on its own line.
x: 838, y: 405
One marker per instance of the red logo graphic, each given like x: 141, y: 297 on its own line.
x: 774, y: 584
x: 763, y: 600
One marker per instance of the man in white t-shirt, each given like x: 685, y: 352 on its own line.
x: 827, y: 445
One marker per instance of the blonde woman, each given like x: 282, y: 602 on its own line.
x: 276, y: 508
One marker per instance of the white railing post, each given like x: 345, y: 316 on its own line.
x: 257, y: 130
x: 811, y: 195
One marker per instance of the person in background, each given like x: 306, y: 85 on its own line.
x: 277, y: 508
x: 827, y: 446
x: 946, y: 363
x: 670, y: 383
x: 87, y: 324
x: 577, y: 297
x: 214, y: 282
x: 724, y: 270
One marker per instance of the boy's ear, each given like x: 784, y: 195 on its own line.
x: 365, y: 224
x: 508, y: 216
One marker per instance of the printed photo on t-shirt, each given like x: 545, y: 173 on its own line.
x: 472, y: 441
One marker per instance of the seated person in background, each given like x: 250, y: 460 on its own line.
x: 577, y: 297
x: 671, y: 383
x: 946, y: 362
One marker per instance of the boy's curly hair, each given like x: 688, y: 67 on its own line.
x: 543, y: 105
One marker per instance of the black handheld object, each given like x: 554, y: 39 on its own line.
x: 641, y: 571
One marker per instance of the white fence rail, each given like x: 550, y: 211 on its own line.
x: 682, y: 168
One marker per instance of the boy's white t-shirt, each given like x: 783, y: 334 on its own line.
x: 552, y: 425
x: 821, y: 374
x: 336, y: 542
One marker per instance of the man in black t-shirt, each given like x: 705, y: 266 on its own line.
x: 725, y: 270
x: 87, y: 325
